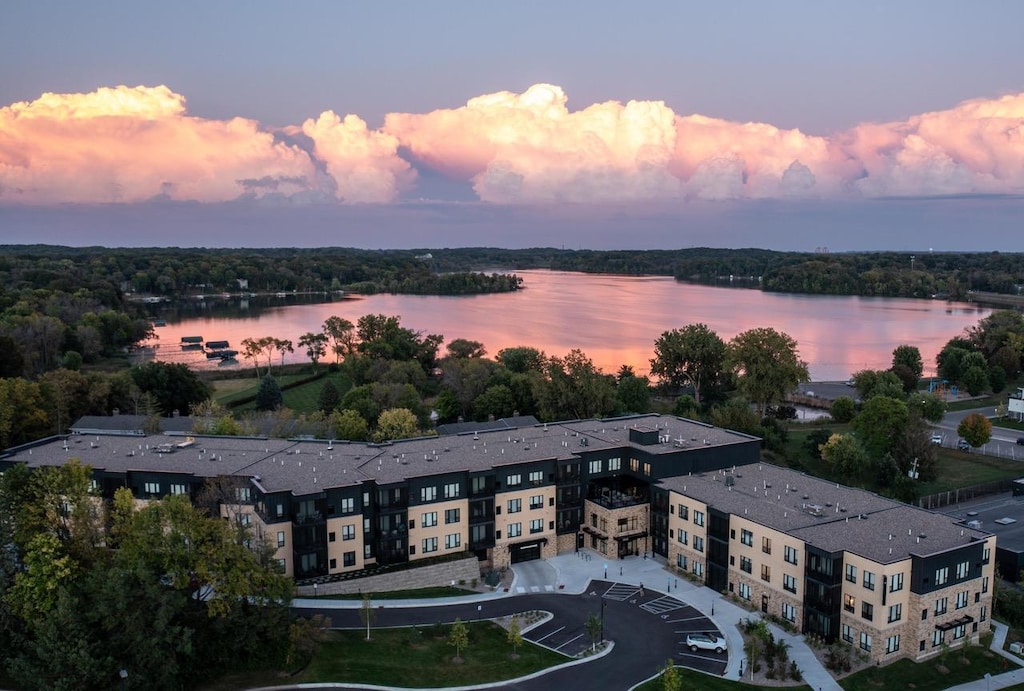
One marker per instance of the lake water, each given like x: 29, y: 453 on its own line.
x: 613, y: 319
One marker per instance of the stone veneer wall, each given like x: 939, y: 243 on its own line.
x: 501, y: 557
x: 566, y: 543
x: 407, y: 579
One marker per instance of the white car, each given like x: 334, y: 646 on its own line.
x: 705, y: 641
x: 937, y: 438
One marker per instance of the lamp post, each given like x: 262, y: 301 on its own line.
x: 602, y: 618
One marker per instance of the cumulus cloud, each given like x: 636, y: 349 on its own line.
x: 131, y: 144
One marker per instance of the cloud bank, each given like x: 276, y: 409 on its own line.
x: 126, y: 145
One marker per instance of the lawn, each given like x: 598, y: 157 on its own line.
x: 707, y: 682
x: 933, y: 675
x: 301, y: 399
x: 422, y: 657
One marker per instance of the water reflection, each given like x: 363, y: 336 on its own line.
x: 613, y: 319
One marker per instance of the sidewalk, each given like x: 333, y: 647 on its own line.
x: 997, y: 681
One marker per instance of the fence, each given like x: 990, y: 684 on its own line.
x: 955, y: 496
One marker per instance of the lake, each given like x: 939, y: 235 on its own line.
x: 613, y: 319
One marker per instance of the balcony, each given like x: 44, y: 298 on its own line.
x: 616, y: 499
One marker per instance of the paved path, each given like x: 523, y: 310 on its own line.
x: 647, y: 627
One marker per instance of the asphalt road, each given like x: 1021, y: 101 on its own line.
x: 647, y: 628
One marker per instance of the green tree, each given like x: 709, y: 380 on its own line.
x: 396, y: 423
x: 737, y: 415
x: 685, y: 406
x: 572, y: 387
x: 633, y: 394
x: 269, y: 396
x: 670, y: 680
x: 845, y: 456
x: 994, y: 331
x: 767, y: 365
x: 843, y: 409
x: 315, y: 345
x: 350, y: 425
x: 871, y: 383
x: 341, y: 333
x: 880, y: 423
x: 459, y: 637
x: 173, y: 385
x: 693, y: 355
x: 515, y: 635
x: 328, y: 398
x: 975, y: 429
x: 929, y: 406
x: 594, y: 628
x: 975, y: 379
x: 461, y: 349
x: 522, y: 359
x: 908, y: 366
x: 496, y: 400
x: 367, y: 614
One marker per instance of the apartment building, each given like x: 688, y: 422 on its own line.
x: 841, y: 563
x: 838, y: 562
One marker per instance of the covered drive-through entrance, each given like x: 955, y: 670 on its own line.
x: 525, y: 551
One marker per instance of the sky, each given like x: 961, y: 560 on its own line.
x: 793, y: 125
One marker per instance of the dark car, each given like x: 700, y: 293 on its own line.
x: 963, y: 445
x: 1020, y: 441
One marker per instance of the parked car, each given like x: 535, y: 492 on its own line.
x: 937, y: 438
x: 705, y: 641
x: 1020, y: 441
x: 963, y: 445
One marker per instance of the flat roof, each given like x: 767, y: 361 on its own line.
x: 989, y: 512
x: 825, y: 514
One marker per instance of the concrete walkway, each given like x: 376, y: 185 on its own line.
x: 997, y: 681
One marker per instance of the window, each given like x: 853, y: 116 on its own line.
x: 478, y: 484
x: 789, y: 583
x: 515, y: 505
x: 241, y: 493
x: 614, y: 464
x: 451, y: 516
x: 451, y: 490
x: 941, y: 605
x: 869, y: 580
x: 634, y: 465
x: 847, y: 633
x: 961, y: 570
x: 892, y: 644
x: 851, y: 573
x: 849, y: 603
x: 744, y: 591
x: 790, y: 555
x: 698, y: 518
x: 698, y: 543
x: 152, y: 488
x: 895, y: 613
x: 536, y: 477
x: 647, y: 469
x: 515, y: 529
x: 986, y: 554
x: 682, y: 536
x: 684, y: 512
x: 788, y: 612
x: 746, y: 566
x: 766, y: 572
x: 333, y: 564
x: 181, y: 489
x: 280, y: 538
x: 428, y: 520
x: 896, y: 582
x: 961, y: 599
x: 537, y: 525
x: 766, y: 545
x: 867, y: 611
x: 698, y: 568
x: 941, y: 575
x: 348, y: 505
x: 429, y: 545
x: 959, y: 632
x: 984, y: 584
x: 595, y: 467
x: 681, y: 561
x: 515, y: 480
x: 747, y: 538
x: 245, y: 519
x: 332, y: 536
x: 537, y: 502
x: 984, y: 613
x: 865, y: 642
x: 348, y: 559
x: 452, y: 540
x: 348, y: 532
x: 938, y: 637
x: 428, y: 493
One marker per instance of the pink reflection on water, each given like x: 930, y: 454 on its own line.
x: 616, y: 319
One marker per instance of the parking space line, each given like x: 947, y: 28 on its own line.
x: 569, y: 641
x: 538, y: 640
x: 676, y: 621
